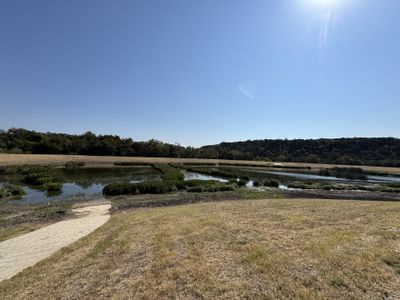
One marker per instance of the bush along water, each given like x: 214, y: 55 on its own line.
x: 347, y: 173
x: 46, y: 178
x: 169, y: 172
x: 74, y: 164
x: 173, y: 180
x: 11, y: 192
x: 161, y: 187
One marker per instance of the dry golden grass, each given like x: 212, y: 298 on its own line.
x: 258, y: 249
x: 24, y: 159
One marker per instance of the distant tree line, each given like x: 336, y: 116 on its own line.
x: 347, y: 151
x: 17, y: 140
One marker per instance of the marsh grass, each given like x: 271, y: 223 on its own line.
x: 384, y: 187
x: 348, y: 173
x: 74, y: 164
x: 10, y: 191
x: 43, y: 177
x: 168, y: 172
x: 162, y: 187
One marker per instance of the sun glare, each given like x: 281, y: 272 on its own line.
x: 325, y: 3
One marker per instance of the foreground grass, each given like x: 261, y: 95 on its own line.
x: 250, y: 249
x: 181, y: 197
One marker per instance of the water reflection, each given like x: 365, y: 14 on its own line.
x: 82, y: 184
x: 198, y: 176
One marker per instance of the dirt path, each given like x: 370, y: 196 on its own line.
x: 24, y: 251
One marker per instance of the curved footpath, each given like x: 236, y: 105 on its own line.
x: 24, y: 251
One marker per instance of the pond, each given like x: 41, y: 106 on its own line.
x: 290, y: 175
x: 83, y: 183
x: 88, y: 183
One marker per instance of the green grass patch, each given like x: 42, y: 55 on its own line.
x: 394, y: 262
x: 338, y: 282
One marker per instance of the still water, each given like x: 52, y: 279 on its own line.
x: 83, y: 184
x: 88, y: 183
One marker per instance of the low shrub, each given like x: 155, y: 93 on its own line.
x: 74, y: 164
x: 150, y: 187
x: 11, y: 191
x: 270, y: 183
x: 168, y: 172
x: 256, y: 183
x: 129, y: 163
x: 197, y: 182
x: 53, y: 186
x: 160, y: 187
x: 394, y: 185
x: 227, y: 187
x: 195, y: 189
x: 39, y: 178
x: 47, y: 178
x: 344, y: 187
x: 338, y: 282
x: 211, y: 188
x: 242, y: 182
x: 347, y: 173
x: 13, y: 169
x: 313, y: 186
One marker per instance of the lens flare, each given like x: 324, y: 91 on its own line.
x: 325, y: 3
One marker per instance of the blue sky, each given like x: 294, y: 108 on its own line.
x: 201, y: 72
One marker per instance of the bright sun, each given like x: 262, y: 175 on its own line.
x: 325, y: 3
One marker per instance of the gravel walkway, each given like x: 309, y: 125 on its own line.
x: 24, y: 251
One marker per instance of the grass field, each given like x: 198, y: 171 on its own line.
x: 26, y: 159
x: 248, y: 249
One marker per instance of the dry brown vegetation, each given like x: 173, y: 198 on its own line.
x: 24, y: 159
x: 19, y: 219
x: 250, y: 249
